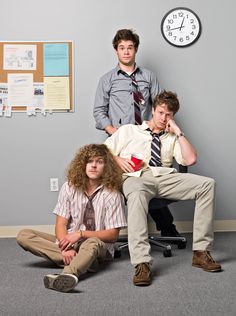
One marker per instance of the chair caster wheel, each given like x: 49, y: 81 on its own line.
x: 117, y: 253
x: 182, y: 245
x: 167, y: 253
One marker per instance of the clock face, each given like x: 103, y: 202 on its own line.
x: 181, y: 27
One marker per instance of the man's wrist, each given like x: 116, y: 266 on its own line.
x: 109, y: 129
x: 80, y: 234
x: 180, y: 135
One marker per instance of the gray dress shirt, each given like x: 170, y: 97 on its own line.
x: 114, y: 104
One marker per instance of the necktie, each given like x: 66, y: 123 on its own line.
x: 89, y: 214
x: 138, y: 100
x: 155, y: 160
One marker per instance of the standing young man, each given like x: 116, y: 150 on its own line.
x: 159, y: 140
x: 124, y: 96
x: 89, y: 215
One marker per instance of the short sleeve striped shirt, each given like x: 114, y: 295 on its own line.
x: 108, y: 206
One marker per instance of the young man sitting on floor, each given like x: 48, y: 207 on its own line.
x: 89, y: 216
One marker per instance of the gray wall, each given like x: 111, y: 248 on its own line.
x: 33, y: 149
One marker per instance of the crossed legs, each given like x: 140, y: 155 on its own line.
x: 44, y: 245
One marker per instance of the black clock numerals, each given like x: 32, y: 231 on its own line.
x: 181, y: 27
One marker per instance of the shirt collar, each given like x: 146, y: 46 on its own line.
x: 145, y: 127
x: 119, y: 70
x: 156, y: 134
x: 100, y: 187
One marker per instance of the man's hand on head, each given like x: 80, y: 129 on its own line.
x: 172, y: 127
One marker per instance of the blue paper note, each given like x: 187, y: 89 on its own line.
x: 56, y: 59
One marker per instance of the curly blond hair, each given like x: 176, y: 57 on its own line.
x: 76, y: 171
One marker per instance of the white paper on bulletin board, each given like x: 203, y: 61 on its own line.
x: 56, y: 93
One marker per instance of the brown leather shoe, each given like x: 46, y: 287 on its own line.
x: 142, y: 275
x: 203, y: 259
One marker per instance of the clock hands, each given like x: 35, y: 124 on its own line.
x: 176, y: 28
x: 179, y: 27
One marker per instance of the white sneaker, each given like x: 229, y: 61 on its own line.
x: 60, y: 282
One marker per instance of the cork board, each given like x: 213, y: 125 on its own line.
x: 39, y: 71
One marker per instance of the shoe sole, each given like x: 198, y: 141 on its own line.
x: 207, y: 270
x: 61, y: 283
x: 142, y: 283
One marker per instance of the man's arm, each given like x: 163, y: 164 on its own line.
x: 114, y: 143
x: 61, y: 233
x: 125, y: 164
x: 188, y: 152
x: 61, y: 227
x: 101, y: 107
x: 109, y: 235
x: 110, y: 129
x: 155, y: 87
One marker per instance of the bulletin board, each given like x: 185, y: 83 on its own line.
x: 48, y: 70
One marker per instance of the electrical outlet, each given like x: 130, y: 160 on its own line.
x: 54, y: 184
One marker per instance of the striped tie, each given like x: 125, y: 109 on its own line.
x: 155, y: 160
x: 138, y: 100
x: 89, y: 214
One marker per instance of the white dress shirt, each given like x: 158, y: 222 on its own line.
x: 135, y: 139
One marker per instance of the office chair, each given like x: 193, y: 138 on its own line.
x: 156, y: 239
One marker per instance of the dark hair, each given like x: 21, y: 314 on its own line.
x: 169, y: 98
x: 125, y: 35
x: 76, y: 172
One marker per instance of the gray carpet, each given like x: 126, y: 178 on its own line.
x: 177, y: 288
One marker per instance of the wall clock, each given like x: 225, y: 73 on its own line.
x: 181, y: 27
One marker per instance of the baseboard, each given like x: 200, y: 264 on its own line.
x: 183, y: 227
x: 12, y: 231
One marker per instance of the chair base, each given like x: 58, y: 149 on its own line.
x: 179, y: 241
x: 155, y: 240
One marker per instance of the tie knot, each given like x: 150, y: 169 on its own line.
x: 155, y: 135
x: 90, y: 197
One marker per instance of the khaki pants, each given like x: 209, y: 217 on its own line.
x: 43, y: 245
x: 175, y: 186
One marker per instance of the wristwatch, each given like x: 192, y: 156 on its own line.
x: 180, y: 134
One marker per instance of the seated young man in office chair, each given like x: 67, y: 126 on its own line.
x: 159, y: 140
x: 114, y: 102
x: 89, y: 215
